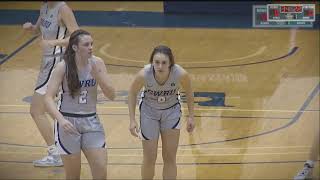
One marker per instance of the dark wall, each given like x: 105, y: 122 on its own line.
x: 212, y: 7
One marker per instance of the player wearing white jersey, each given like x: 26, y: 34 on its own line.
x: 160, y: 110
x: 78, y: 125
x: 55, y: 22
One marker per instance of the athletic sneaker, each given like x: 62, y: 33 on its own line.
x: 53, y: 158
x: 306, y: 172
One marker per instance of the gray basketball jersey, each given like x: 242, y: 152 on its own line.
x: 83, y: 102
x: 161, y: 96
x: 50, y: 28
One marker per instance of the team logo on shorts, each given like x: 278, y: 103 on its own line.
x: 173, y: 84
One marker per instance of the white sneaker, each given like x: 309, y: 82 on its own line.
x: 53, y: 159
x: 306, y: 172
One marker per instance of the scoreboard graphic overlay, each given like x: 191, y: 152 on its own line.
x: 284, y: 15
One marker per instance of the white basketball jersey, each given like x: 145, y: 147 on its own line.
x: 50, y: 28
x: 84, y: 102
x: 161, y: 96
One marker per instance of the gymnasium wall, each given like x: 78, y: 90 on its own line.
x: 212, y: 7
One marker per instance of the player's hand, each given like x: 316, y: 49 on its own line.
x: 68, y: 127
x: 190, y: 124
x: 94, y: 68
x: 134, y: 128
x: 27, y: 26
x: 46, y: 43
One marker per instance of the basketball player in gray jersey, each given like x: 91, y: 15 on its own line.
x: 55, y: 23
x: 160, y: 110
x: 78, y: 126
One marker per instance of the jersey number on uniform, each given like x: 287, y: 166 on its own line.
x: 83, y: 97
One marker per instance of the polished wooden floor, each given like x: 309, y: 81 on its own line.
x: 261, y: 129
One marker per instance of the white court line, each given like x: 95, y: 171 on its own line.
x: 103, y: 51
x: 202, y: 109
x: 222, y: 148
x: 232, y: 97
x: 244, y: 148
x: 215, y: 154
x: 180, y: 155
x: 191, y: 148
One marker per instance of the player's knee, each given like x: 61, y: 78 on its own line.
x: 100, y: 173
x: 169, y: 157
x: 100, y: 165
x: 149, y: 159
x: 35, y: 111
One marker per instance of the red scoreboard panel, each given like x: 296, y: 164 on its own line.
x: 282, y: 18
x: 291, y: 12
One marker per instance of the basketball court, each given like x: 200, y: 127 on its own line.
x: 256, y: 98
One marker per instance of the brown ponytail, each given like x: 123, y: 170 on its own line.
x: 69, y: 58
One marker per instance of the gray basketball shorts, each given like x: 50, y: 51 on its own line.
x: 91, y: 134
x: 152, y: 120
x: 48, y: 64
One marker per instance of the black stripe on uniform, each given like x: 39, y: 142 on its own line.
x: 64, y: 36
x: 45, y: 82
x: 170, y: 106
x: 141, y: 123
x: 144, y: 136
x: 176, y: 124
x: 54, y: 62
x: 60, y: 141
x: 77, y: 115
x: 61, y: 97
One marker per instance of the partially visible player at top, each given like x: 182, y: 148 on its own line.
x: 55, y: 23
